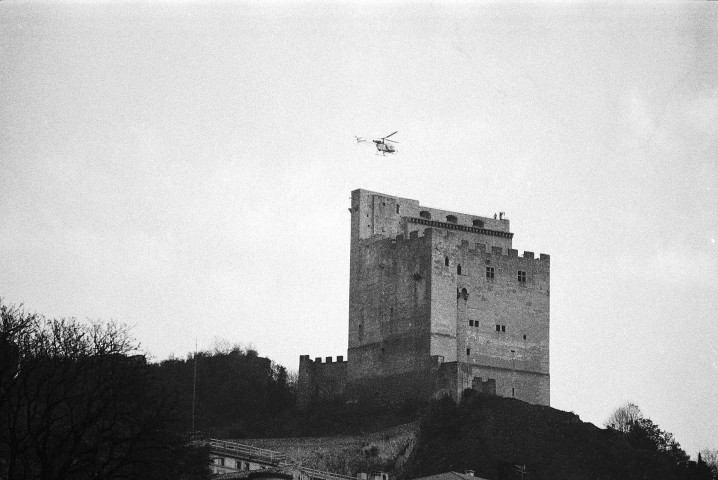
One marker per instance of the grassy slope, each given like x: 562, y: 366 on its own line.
x: 347, y: 454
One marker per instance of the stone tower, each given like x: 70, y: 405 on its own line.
x: 438, y: 302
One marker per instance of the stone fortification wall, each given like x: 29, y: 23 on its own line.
x: 320, y: 380
x: 389, y: 307
x: 490, y: 311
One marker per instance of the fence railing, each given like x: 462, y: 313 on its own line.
x: 248, y: 451
x: 319, y: 474
x: 277, y: 459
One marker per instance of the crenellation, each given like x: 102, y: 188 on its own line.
x: 513, y: 252
x: 529, y: 255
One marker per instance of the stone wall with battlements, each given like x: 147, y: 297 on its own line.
x: 491, y: 311
x: 320, y: 380
x: 438, y: 300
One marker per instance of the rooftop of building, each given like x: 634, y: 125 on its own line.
x: 411, y: 208
x: 469, y: 475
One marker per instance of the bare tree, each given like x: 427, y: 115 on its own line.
x: 77, y: 402
x: 711, y: 459
x: 624, y: 417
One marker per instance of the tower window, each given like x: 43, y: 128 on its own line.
x: 522, y: 276
x: 468, y: 351
x: 490, y: 273
x: 524, y: 337
x: 458, y: 269
x: 503, y: 328
x: 425, y: 214
x: 397, y: 208
x: 513, y: 392
x: 478, y: 223
x: 451, y: 218
x: 446, y: 261
x: 471, y: 323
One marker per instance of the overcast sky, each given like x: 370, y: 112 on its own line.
x: 186, y: 168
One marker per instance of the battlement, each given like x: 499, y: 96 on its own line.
x: 318, y: 360
x: 505, y: 252
x: 415, y: 235
x: 321, y: 379
x: 482, y: 248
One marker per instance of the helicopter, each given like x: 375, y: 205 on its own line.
x: 384, y: 147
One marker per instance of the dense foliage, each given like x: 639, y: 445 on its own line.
x: 498, y: 437
x: 238, y: 394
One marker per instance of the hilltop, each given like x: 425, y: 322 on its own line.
x: 492, y: 435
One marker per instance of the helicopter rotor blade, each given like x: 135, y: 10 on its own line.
x: 392, y: 141
x: 391, y: 134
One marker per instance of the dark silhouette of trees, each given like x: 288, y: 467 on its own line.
x: 78, y: 402
x: 710, y: 457
x: 505, y: 438
x: 238, y: 393
x: 669, y: 460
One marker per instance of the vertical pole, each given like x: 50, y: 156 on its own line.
x: 194, y: 384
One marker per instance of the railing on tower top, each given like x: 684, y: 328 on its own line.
x: 464, y: 228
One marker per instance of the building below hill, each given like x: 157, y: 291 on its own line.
x: 468, y: 475
x: 439, y: 302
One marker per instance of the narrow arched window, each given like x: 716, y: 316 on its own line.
x: 446, y: 261
x: 451, y: 218
x: 458, y: 269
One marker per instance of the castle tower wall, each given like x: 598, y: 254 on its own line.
x: 389, y: 315
x: 425, y: 316
x: 501, y: 317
